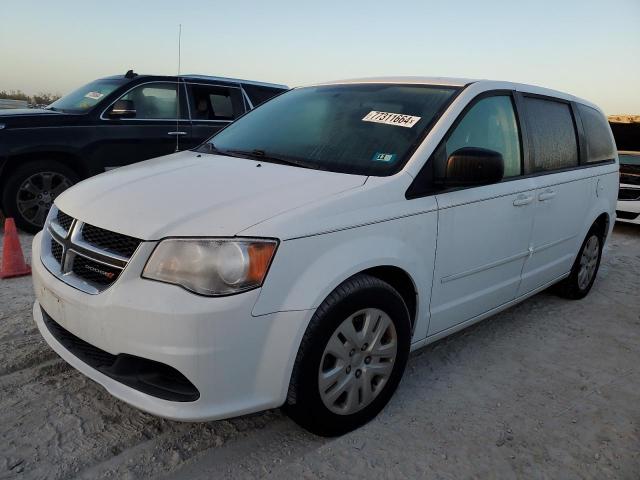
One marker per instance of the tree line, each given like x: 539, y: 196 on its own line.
x: 42, y: 98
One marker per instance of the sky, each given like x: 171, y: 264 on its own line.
x: 590, y: 48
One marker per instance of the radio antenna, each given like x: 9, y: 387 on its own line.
x: 178, y: 132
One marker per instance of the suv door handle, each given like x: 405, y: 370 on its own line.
x: 522, y: 200
x: 176, y: 133
x: 546, y: 195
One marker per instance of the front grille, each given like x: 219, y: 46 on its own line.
x: 85, y: 256
x: 94, y: 272
x: 56, y: 250
x: 110, y: 241
x: 629, y: 194
x: 64, y: 220
x: 147, y: 376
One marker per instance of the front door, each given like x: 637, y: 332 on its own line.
x: 151, y: 132
x: 483, y: 232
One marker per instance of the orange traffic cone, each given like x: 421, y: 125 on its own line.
x: 13, y: 264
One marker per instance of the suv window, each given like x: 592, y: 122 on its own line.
x: 259, y: 94
x: 600, y: 145
x: 552, y: 134
x: 156, y: 101
x: 490, y: 123
x: 215, y: 102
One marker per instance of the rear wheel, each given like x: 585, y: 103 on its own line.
x: 351, y: 358
x: 30, y: 190
x: 585, y: 268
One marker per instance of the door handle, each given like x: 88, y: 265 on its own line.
x: 176, y: 133
x: 522, y: 200
x: 546, y: 195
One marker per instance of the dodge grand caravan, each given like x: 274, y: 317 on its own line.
x: 299, y: 255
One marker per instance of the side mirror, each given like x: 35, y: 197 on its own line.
x: 123, y: 109
x: 470, y: 166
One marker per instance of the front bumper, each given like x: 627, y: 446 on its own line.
x: 629, y: 210
x: 239, y: 363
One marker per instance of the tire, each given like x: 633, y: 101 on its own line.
x: 369, y: 305
x: 21, y: 189
x: 575, y: 286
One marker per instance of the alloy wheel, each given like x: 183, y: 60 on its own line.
x: 37, y: 193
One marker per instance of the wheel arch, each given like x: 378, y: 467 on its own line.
x: 68, y: 159
x: 603, y: 223
x: 402, y: 282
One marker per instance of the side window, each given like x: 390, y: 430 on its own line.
x: 600, y: 145
x: 259, y: 94
x: 491, y: 124
x: 215, y: 102
x: 156, y: 101
x: 552, y: 134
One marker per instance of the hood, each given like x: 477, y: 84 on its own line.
x: 192, y: 194
x: 36, y: 117
x: 10, y: 112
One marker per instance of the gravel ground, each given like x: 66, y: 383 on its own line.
x: 548, y: 389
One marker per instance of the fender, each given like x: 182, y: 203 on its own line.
x: 306, y: 270
x: 606, y: 199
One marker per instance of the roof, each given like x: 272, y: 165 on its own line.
x: 463, y: 82
x: 234, y: 80
x: 446, y: 81
x: 207, y: 78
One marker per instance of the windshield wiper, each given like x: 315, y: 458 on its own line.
x: 257, y: 154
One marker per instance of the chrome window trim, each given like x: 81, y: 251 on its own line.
x: 209, y: 120
x: 248, y: 100
x: 102, y: 117
x: 234, y: 80
x: 186, y: 97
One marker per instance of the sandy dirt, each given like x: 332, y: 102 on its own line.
x: 547, y: 389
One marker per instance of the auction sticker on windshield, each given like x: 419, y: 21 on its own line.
x: 94, y: 95
x: 389, y: 118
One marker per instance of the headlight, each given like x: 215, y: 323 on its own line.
x: 211, y: 266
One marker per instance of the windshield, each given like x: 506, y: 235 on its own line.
x: 364, y: 129
x: 85, y: 98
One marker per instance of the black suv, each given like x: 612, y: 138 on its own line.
x: 108, y: 123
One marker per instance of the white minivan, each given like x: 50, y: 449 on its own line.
x: 298, y: 256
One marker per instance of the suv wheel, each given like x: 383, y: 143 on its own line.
x: 30, y: 190
x: 351, y: 358
x: 585, y: 268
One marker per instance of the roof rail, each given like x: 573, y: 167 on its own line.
x: 235, y: 80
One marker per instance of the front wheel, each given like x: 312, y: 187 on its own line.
x: 351, y: 358
x: 30, y: 190
x: 585, y: 268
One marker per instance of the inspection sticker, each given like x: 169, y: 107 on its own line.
x: 94, y: 95
x: 388, y: 118
x: 384, y: 157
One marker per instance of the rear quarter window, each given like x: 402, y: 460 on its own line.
x: 552, y: 134
x: 600, y: 144
x: 258, y: 94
